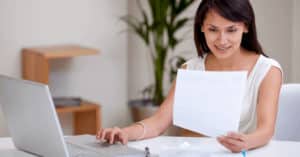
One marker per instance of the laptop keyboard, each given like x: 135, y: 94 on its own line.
x: 88, y: 146
x: 103, y: 150
x: 76, y: 151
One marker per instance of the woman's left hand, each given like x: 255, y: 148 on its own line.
x: 236, y: 142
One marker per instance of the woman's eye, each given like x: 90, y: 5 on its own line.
x: 212, y: 30
x: 232, y: 30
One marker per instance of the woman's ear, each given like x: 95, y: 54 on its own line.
x: 202, y: 29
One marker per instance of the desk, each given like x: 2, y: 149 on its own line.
x: 7, y: 149
x: 165, y: 146
x: 209, y: 147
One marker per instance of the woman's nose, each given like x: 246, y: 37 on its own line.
x: 222, y: 38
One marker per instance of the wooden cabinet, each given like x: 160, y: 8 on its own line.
x: 35, y: 67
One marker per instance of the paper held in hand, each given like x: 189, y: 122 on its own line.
x: 209, y: 102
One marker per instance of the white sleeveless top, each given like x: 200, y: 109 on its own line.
x: 262, y: 66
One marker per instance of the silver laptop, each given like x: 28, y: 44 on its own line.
x: 34, y: 126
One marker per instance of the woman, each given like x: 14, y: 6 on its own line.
x: 226, y: 40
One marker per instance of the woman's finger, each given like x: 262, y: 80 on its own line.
x: 222, y: 141
x: 122, y: 138
x: 112, y: 135
x: 104, y: 134
x: 227, y: 145
x: 235, y: 142
x: 99, y: 133
x: 231, y: 147
x: 236, y: 135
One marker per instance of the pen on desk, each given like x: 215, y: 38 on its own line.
x: 244, y: 153
x: 147, y: 152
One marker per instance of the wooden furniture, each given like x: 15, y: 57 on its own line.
x: 35, y: 67
x: 86, y: 117
x: 36, y: 60
x: 188, y: 133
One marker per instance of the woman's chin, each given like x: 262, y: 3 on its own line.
x: 222, y: 54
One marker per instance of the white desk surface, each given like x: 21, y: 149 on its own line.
x: 188, y: 146
x: 7, y: 149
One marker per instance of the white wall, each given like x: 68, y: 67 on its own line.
x: 138, y: 60
x: 296, y: 41
x: 274, y: 23
x: 94, y: 23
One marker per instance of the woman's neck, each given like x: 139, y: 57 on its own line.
x: 231, y: 63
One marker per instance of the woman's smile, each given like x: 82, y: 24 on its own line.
x: 222, y: 49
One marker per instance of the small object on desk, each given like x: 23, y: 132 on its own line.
x: 244, y: 153
x: 147, y: 152
x: 66, y: 101
x: 184, y: 145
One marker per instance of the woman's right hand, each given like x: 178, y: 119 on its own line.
x: 112, y: 135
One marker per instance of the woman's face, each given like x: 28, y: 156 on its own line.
x: 223, y: 37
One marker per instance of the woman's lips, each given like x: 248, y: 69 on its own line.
x: 222, y: 48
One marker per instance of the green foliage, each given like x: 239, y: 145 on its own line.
x: 158, y: 30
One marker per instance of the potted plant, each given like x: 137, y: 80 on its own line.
x: 157, y: 29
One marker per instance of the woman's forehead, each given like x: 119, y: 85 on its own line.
x: 213, y: 18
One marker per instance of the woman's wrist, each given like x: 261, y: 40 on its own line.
x: 257, y: 139
x: 249, y: 144
x: 142, y: 135
x: 128, y: 131
x: 136, y: 131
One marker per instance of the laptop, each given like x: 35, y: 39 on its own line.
x: 35, y: 129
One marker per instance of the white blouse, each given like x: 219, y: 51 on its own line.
x: 248, y: 118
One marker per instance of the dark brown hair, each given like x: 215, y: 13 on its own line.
x: 232, y: 10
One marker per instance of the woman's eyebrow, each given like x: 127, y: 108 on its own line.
x: 229, y: 27
x: 212, y: 25
x: 236, y: 25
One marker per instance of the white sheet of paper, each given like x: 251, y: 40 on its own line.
x: 209, y: 102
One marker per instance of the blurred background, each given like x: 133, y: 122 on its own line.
x: 122, y: 69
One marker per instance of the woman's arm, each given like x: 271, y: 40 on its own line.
x: 267, y: 108
x: 156, y: 124
x: 266, y: 116
x: 150, y: 127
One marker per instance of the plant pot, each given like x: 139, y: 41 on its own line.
x: 142, y: 109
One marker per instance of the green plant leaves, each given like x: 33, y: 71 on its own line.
x: 140, y: 28
x: 158, y: 30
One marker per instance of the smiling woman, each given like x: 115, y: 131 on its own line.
x: 226, y: 40
x: 225, y: 22
x: 223, y: 37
